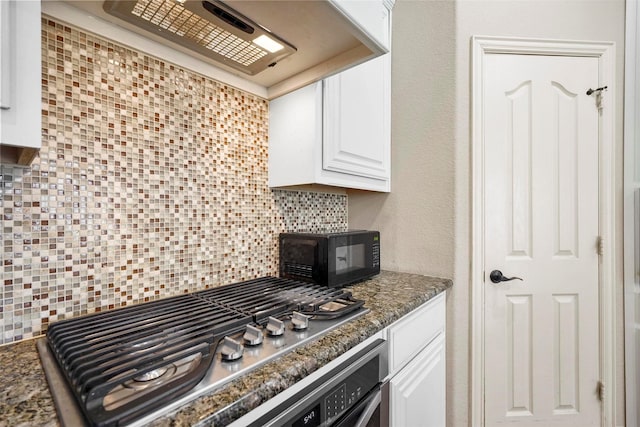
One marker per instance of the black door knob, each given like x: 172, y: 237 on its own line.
x: 497, y: 277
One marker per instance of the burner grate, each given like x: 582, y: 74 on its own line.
x: 100, y: 352
x: 272, y: 296
x: 163, y: 348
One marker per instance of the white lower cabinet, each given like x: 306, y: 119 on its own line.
x: 417, y: 388
x: 417, y: 392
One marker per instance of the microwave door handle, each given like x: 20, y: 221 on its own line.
x: 368, y: 412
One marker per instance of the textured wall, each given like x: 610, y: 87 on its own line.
x: 426, y: 220
x: 416, y: 219
x: 151, y: 181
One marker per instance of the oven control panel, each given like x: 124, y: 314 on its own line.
x: 338, y: 397
x: 336, y: 402
x: 342, y: 397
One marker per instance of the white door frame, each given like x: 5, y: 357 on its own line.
x: 631, y: 186
x: 605, y: 52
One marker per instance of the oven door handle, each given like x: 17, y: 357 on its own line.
x: 369, y: 411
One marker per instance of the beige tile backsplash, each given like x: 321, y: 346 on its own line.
x: 151, y: 181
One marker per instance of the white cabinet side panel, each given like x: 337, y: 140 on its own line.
x: 21, y: 113
x: 295, y: 130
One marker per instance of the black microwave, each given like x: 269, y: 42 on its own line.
x: 331, y: 259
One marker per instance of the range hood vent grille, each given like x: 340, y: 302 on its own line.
x: 208, y: 27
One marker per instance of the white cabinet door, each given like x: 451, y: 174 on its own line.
x: 335, y: 132
x: 417, y: 393
x: 357, y: 120
x: 20, y: 76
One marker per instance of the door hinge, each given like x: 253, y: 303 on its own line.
x: 600, y: 246
x: 598, y: 93
x: 600, y: 391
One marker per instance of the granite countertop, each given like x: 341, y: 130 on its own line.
x: 25, y: 399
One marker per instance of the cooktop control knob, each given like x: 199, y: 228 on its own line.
x: 252, y: 335
x: 275, y: 327
x: 300, y: 321
x: 231, y: 349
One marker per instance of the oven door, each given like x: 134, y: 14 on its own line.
x: 348, y: 395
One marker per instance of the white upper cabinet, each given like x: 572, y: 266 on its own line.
x: 335, y: 132
x: 370, y: 16
x: 20, y: 81
x: 356, y: 121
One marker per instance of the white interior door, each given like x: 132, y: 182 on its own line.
x: 541, y: 346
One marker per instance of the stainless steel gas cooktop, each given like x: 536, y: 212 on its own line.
x: 130, y: 365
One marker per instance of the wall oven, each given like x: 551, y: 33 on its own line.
x: 350, y: 395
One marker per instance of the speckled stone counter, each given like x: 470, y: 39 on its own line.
x: 25, y: 399
x: 24, y: 395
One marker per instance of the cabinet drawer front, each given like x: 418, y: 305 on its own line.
x: 412, y: 333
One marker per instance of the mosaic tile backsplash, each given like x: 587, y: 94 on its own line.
x: 151, y: 181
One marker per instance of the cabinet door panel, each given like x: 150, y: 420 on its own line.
x: 417, y: 393
x: 357, y: 120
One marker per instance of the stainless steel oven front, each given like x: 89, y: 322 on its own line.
x: 350, y: 395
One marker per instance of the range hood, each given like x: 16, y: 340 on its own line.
x: 209, y: 27
x: 306, y: 40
